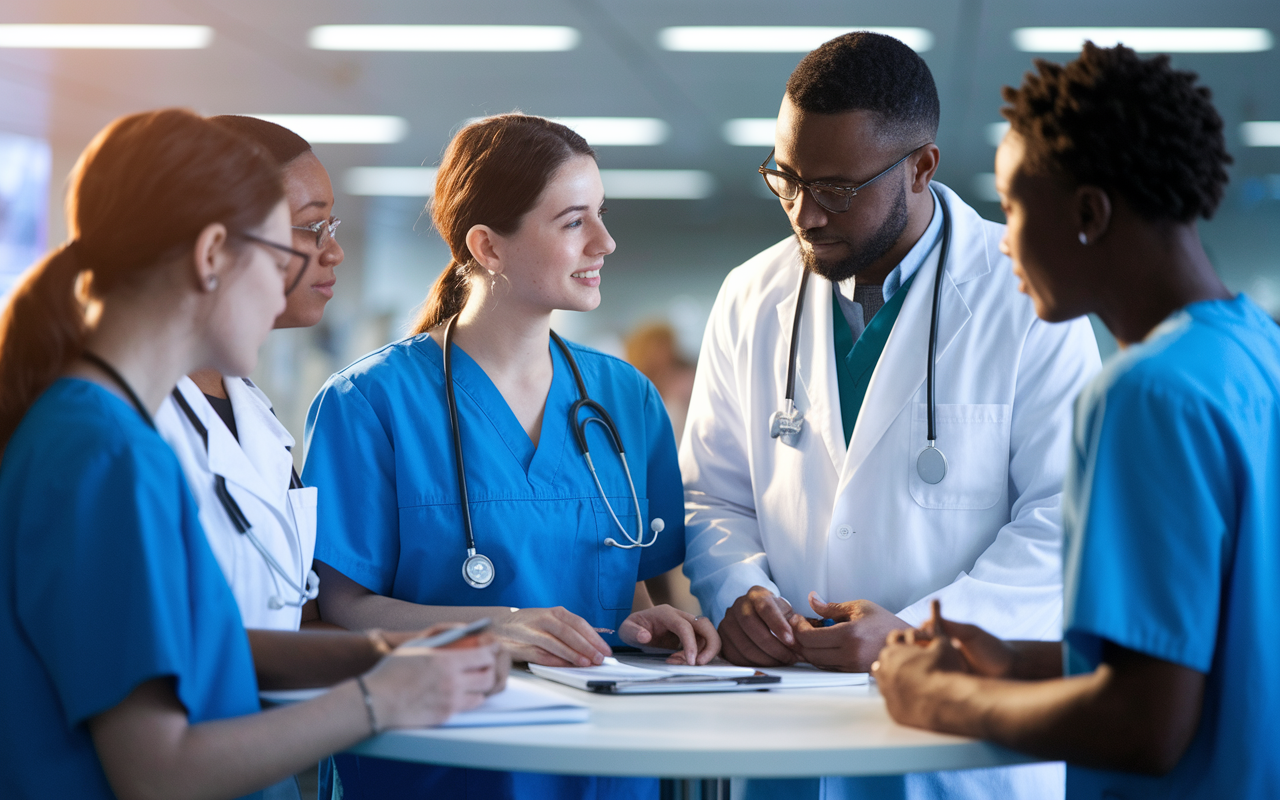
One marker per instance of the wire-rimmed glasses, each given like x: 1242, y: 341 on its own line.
x: 324, y: 230
x: 836, y: 199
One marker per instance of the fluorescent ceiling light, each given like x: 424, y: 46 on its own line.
x: 445, y: 38
x: 107, y: 37
x: 635, y: 131
x: 1261, y: 134
x: 984, y: 187
x: 1145, y: 40
x: 750, y: 131
x: 344, y: 128
x: 657, y: 184
x: 774, y: 38
x: 391, y: 181
x: 996, y: 132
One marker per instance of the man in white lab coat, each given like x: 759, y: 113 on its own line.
x: 840, y: 523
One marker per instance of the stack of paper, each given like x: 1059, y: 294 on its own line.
x: 523, y: 702
x: 799, y: 676
x: 655, y: 676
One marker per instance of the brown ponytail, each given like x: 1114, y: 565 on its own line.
x: 142, y: 191
x: 492, y: 174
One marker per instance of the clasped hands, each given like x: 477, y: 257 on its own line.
x: 761, y: 629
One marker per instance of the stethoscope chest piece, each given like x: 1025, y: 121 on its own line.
x: 931, y: 465
x: 786, y: 425
x: 477, y: 570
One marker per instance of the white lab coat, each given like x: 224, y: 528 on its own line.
x: 257, y: 469
x: 856, y: 521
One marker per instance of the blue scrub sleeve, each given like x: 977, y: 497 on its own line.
x: 665, y: 488
x: 102, y: 579
x: 350, y: 458
x: 1154, y: 490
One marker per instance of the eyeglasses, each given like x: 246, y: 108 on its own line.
x: 324, y: 230
x: 293, y: 254
x: 835, y: 199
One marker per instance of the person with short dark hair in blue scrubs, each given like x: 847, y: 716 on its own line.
x: 453, y: 479
x: 1171, y: 505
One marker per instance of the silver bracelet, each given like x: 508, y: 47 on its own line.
x: 368, y: 705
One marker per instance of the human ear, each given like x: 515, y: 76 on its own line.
x: 483, y: 243
x: 924, y: 165
x: 1092, y: 212
x: 210, y: 257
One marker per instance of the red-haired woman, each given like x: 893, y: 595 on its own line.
x: 126, y: 670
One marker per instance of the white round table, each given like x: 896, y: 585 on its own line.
x: 774, y: 734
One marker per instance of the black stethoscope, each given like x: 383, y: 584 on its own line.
x: 228, y: 502
x: 931, y: 464
x: 477, y: 569
x: 303, y: 593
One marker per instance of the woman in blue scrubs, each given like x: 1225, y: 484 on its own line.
x: 519, y: 200
x: 1166, y: 682
x: 126, y: 669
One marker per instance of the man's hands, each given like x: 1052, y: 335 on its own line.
x: 853, y: 642
x: 694, y: 638
x: 755, y: 631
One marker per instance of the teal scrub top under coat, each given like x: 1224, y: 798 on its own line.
x: 106, y: 581
x: 380, y: 449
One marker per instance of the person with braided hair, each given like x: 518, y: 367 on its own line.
x: 1165, y: 682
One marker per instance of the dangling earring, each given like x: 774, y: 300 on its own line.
x: 1083, y: 239
x: 211, y: 283
x: 493, y: 279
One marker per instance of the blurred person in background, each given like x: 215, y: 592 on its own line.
x: 453, y: 482
x: 654, y: 349
x: 1164, y: 683
x: 127, y: 670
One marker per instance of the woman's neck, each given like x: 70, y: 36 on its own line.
x: 151, y: 352
x: 503, y: 337
x: 1163, y: 268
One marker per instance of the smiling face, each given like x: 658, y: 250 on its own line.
x: 553, y: 260
x: 1042, y: 235
x: 844, y: 149
x: 310, y: 196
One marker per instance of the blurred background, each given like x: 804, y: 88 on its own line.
x: 678, y: 98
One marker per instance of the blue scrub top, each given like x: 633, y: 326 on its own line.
x: 1172, y: 521
x: 380, y: 448
x: 107, y: 582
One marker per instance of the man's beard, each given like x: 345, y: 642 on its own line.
x: 881, y: 242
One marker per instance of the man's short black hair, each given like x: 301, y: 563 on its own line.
x: 283, y: 144
x: 1135, y: 127
x: 863, y: 71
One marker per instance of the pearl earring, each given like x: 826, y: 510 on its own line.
x: 211, y: 283
x: 1083, y: 239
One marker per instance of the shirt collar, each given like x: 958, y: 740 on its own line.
x: 911, y: 262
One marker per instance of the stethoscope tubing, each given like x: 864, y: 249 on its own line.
x: 789, y: 397
x: 241, y: 522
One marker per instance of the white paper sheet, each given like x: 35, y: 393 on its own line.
x: 523, y: 702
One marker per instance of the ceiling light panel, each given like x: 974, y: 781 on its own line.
x: 107, y: 37
x: 750, y: 131
x: 391, y: 181
x: 1261, y: 134
x: 657, y: 184
x: 774, y: 39
x: 1145, y: 40
x: 445, y: 38
x: 623, y: 131
x: 342, y: 128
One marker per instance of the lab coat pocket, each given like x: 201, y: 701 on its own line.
x: 975, y: 440
x: 619, y: 567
